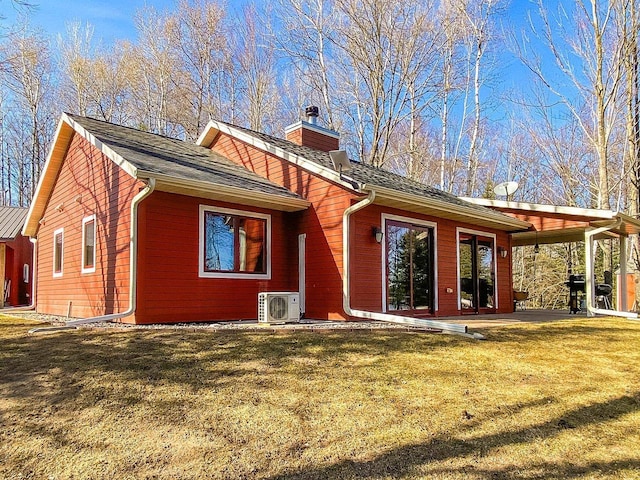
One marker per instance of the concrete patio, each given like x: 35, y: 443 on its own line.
x: 520, y: 316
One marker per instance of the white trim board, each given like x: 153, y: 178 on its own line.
x: 420, y: 223
x: 244, y: 213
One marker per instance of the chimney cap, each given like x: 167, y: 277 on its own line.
x: 312, y: 111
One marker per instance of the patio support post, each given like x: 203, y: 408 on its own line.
x: 623, y: 275
x: 588, y: 267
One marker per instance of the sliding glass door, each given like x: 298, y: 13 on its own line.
x: 410, y: 273
x: 477, y: 273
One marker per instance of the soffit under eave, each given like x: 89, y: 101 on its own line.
x: 240, y: 197
x: 449, y: 213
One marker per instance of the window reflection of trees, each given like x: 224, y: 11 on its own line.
x: 234, y: 243
x: 409, y: 267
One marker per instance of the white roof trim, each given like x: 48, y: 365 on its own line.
x: 541, y: 208
x: 271, y: 201
x: 206, y: 138
x: 489, y: 215
x: 30, y: 228
x: 213, y: 127
x: 113, y: 156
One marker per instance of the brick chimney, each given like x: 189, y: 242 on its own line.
x: 309, y: 134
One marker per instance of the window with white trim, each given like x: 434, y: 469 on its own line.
x: 89, y: 244
x: 234, y: 243
x: 58, y: 252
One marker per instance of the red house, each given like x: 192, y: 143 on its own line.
x: 138, y: 226
x: 16, y: 256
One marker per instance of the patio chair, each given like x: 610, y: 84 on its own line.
x: 520, y: 300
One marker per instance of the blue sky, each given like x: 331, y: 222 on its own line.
x: 114, y: 19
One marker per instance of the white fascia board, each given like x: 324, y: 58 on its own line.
x: 27, y: 229
x: 313, y: 167
x: 472, y: 213
x: 542, y: 208
x: 208, y: 134
x: 37, y: 208
x: 113, y: 156
x: 240, y: 193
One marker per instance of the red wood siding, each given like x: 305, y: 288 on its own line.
x: 367, y: 265
x: 21, y: 253
x: 322, y: 223
x: 310, y: 138
x: 548, y: 221
x: 88, y: 183
x: 169, y: 288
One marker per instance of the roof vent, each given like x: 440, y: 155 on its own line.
x: 312, y: 113
x: 340, y: 161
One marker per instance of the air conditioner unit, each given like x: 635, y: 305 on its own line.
x: 278, y: 307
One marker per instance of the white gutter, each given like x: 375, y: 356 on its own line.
x: 589, y: 274
x: 494, y: 218
x: 34, y: 276
x: 346, y: 282
x: 133, y: 267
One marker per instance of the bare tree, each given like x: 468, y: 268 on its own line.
x: 304, y: 39
x: 389, y: 47
x: 255, y: 57
x: 29, y: 77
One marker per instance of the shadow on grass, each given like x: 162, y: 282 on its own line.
x: 43, y: 372
x: 406, y: 460
x: 192, y: 360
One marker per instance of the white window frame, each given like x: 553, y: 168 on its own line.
x: 85, y: 220
x: 419, y: 223
x: 243, y: 213
x: 481, y: 233
x: 57, y: 232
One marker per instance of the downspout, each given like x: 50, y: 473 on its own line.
x: 34, y: 278
x: 589, y: 287
x: 346, y: 283
x: 133, y: 267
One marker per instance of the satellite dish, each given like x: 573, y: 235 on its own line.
x: 505, y: 189
x: 340, y: 161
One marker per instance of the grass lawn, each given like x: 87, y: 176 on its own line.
x: 553, y: 400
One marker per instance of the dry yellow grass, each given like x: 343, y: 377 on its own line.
x: 554, y: 400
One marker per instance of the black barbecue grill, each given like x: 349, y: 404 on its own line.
x: 576, y: 285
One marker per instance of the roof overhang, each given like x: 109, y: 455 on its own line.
x: 462, y: 213
x: 225, y: 193
x: 384, y: 196
x: 65, y: 131
x: 577, y: 220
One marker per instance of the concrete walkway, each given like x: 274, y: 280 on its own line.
x: 502, y: 319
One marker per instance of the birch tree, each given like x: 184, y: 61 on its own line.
x: 29, y: 77
x: 389, y: 48
x: 305, y: 42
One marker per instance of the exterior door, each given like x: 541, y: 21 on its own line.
x: 410, y: 272
x: 302, y: 264
x: 477, y: 273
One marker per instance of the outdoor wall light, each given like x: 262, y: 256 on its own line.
x: 377, y: 234
x: 503, y: 252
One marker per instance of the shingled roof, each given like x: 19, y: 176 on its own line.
x: 377, y: 177
x: 158, y: 155
x: 11, y: 221
x: 174, y: 165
